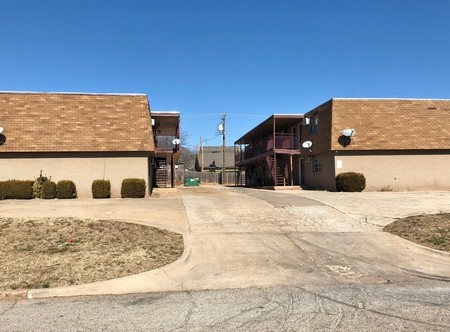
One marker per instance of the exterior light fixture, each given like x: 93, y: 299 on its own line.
x: 1, y: 130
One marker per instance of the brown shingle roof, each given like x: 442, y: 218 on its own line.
x: 380, y: 124
x: 393, y: 124
x: 60, y: 122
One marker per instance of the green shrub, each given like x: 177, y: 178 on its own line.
x: 48, y: 190
x: 350, y: 182
x: 101, y: 189
x: 133, y: 188
x: 16, y: 189
x: 38, y: 183
x: 66, y: 189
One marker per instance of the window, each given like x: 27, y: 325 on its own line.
x: 317, y: 165
x: 314, y: 125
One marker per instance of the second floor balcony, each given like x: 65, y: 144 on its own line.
x: 164, y: 143
x: 279, y: 143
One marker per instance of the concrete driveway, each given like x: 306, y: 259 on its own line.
x: 236, y: 237
x: 265, y: 238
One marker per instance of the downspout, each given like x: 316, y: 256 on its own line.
x: 291, y: 170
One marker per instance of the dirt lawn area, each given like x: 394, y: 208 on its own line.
x: 52, y: 252
x: 430, y: 230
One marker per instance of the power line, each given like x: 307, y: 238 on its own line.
x: 216, y: 114
x: 247, y: 115
x: 200, y: 115
x: 208, y: 139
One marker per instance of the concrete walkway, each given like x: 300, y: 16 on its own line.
x: 236, y: 237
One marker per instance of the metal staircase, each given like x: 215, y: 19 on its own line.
x: 161, y: 173
x: 240, y: 178
x: 278, y: 171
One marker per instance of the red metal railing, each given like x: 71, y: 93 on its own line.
x: 282, y: 141
x: 164, y: 143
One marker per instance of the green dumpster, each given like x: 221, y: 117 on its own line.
x: 191, y: 181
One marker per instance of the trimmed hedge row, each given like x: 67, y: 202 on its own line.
x: 16, y: 189
x: 101, y: 189
x: 28, y: 189
x: 66, y: 189
x: 48, y: 190
x: 350, y: 182
x: 133, y: 188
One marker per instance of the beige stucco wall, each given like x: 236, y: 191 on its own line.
x: 319, y: 180
x: 81, y: 170
x: 400, y: 172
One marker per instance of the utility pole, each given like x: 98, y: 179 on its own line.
x: 223, y: 147
x: 201, y: 154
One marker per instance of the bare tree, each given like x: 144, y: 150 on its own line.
x: 188, y: 154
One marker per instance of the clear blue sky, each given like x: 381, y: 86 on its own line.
x: 246, y: 58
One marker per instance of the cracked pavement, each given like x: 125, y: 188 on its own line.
x: 383, y: 307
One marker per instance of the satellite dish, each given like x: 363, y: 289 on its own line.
x: 1, y: 130
x: 307, y: 144
x: 349, y: 132
x: 176, y: 141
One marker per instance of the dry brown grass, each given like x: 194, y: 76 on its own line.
x: 430, y: 230
x: 52, y: 252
